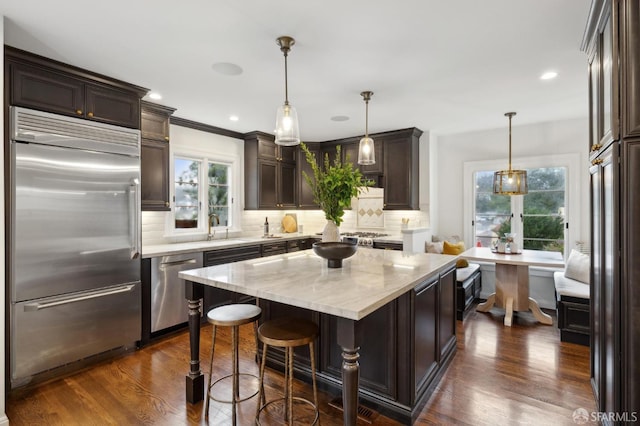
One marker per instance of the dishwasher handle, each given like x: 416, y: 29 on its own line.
x: 37, y: 306
x: 165, y: 265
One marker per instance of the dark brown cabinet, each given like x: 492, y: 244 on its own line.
x: 425, y: 332
x: 154, y: 155
x: 447, y: 312
x: 401, y: 170
x: 397, y: 167
x: 612, y: 42
x: 270, y: 173
x: 52, y: 86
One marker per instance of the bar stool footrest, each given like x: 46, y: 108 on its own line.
x: 295, y: 398
x: 240, y: 376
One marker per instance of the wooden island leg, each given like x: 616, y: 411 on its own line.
x: 195, y: 379
x: 349, y: 341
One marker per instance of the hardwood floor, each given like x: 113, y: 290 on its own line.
x: 500, y: 376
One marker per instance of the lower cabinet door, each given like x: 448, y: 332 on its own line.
x: 425, y: 326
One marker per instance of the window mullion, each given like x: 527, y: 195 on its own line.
x: 517, y: 226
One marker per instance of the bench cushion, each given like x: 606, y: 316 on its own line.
x: 569, y: 287
x: 464, y: 273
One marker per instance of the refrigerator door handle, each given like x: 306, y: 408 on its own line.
x: 37, y: 306
x: 134, y: 208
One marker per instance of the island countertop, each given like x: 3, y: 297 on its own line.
x: 368, y: 280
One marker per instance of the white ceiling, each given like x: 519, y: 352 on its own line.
x: 443, y: 66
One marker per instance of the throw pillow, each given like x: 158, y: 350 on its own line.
x: 455, y: 249
x: 435, y: 247
x: 577, y: 267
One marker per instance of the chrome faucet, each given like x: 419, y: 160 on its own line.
x: 211, y: 236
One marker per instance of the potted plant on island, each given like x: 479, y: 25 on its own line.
x: 333, y: 186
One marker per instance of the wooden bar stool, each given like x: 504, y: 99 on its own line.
x: 288, y: 333
x: 231, y: 316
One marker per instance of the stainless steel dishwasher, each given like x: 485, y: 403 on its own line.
x: 168, y: 304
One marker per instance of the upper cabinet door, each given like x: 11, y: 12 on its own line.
x: 609, y: 81
x: 113, y: 107
x: 630, y: 52
x: 595, y: 131
x: 40, y: 89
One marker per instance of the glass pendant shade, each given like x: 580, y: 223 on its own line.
x: 510, y: 182
x: 366, y: 151
x: 287, y: 131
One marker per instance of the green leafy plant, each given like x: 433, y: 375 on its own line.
x: 333, y: 185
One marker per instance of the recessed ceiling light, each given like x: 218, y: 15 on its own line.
x: 227, y: 68
x: 156, y: 96
x: 549, y: 75
x: 234, y: 118
x: 339, y: 118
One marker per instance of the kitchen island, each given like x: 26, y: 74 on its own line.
x: 398, y: 307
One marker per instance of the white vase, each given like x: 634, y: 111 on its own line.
x: 331, y: 232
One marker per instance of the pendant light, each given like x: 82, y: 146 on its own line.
x: 510, y: 182
x: 287, y: 131
x: 366, y: 151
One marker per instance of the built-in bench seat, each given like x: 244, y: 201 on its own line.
x: 573, y: 304
x: 468, y: 287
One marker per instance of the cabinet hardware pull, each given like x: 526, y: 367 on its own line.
x: 596, y: 147
x: 596, y: 161
x: 166, y: 138
x: 79, y: 111
x: 89, y: 114
x: 166, y: 204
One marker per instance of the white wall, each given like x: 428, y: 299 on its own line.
x: 558, y: 137
x: 3, y: 416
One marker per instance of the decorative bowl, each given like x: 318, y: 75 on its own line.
x: 334, y: 252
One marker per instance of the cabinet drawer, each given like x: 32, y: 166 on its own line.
x: 219, y: 257
x: 274, y: 248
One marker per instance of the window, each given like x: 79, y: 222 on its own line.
x: 540, y: 219
x: 192, y: 191
x: 541, y: 211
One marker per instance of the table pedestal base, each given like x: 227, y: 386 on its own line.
x: 512, y: 294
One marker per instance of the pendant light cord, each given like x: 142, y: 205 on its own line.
x: 509, y: 143
x: 510, y: 115
x: 366, y: 119
x: 286, y: 87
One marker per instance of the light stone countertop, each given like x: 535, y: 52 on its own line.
x: 549, y: 259
x: 196, y: 246
x: 367, y: 281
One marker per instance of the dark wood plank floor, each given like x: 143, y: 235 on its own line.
x: 499, y: 376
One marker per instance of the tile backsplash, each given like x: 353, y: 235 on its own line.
x: 313, y: 221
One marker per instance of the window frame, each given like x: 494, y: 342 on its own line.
x: 234, y: 183
x: 572, y: 193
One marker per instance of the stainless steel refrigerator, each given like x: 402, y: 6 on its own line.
x: 74, y: 241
